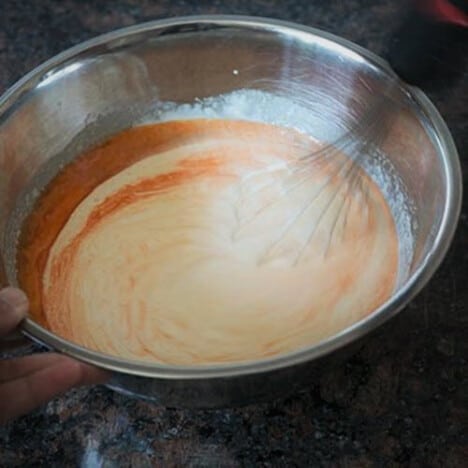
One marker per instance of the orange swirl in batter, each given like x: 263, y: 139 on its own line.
x: 168, y: 244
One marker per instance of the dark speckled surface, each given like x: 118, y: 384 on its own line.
x: 401, y: 401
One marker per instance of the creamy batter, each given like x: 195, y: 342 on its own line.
x: 207, y: 241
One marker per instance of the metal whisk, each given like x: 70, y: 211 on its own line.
x: 424, y: 47
x: 359, y: 141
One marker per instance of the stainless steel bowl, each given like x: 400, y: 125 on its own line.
x: 97, y: 88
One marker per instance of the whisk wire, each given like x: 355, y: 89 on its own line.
x: 345, y: 157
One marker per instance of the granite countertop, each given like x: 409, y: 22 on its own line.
x: 400, y: 401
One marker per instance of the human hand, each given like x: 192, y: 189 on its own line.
x: 27, y: 382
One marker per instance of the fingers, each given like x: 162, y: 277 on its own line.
x: 13, y: 308
x: 28, y: 382
x: 50, y: 376
x: 12, y: 369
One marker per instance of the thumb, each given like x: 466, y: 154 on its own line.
x: 13, y: 309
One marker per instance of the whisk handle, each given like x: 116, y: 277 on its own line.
x: 429, y: 48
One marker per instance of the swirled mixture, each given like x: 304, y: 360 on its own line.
x: 207, y: 241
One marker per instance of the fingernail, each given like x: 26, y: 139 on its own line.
x: 14, y: 300
x: 93, y: 375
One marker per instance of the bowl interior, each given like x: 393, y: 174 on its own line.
x: 92, y: 91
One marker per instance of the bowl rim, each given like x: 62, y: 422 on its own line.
x: 447, y: 152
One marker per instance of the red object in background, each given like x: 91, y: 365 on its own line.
x: 429, y: 47
x: 443, y: 10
